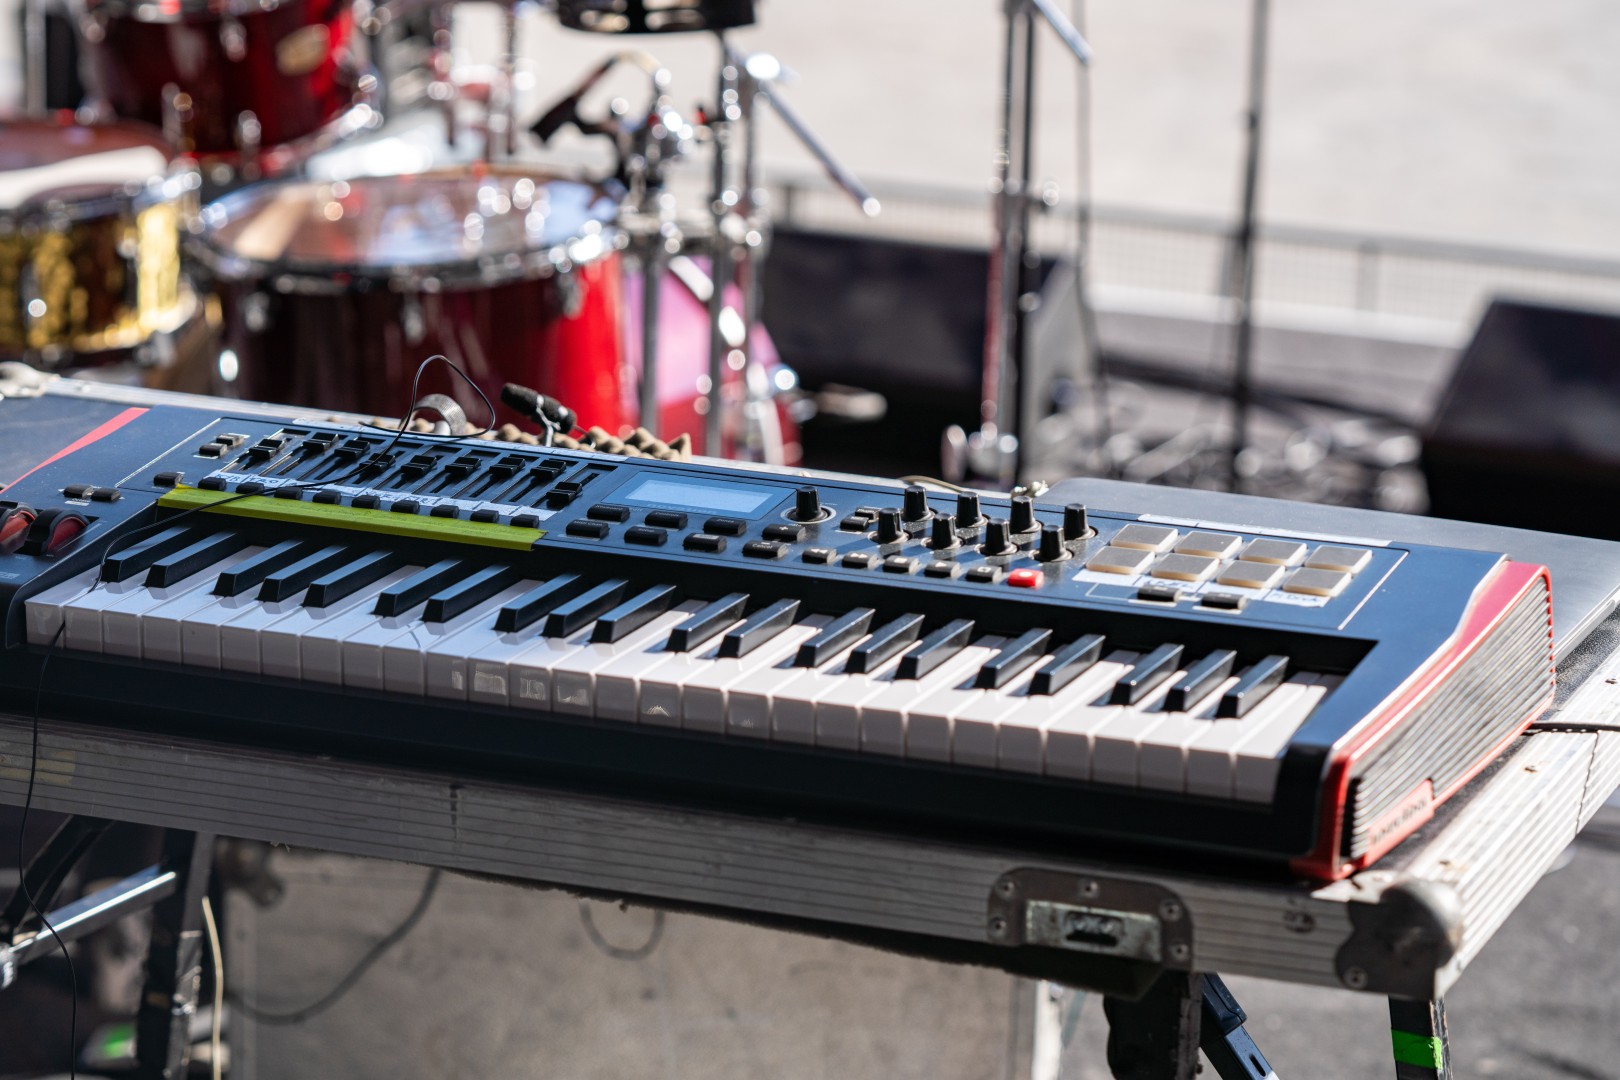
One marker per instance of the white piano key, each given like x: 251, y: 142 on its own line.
x: 838, y: 711
x: 322, y: 631
x: 1161, y: 761
x: 887, y: 721
x: 530, y: 670
x: 1116, y: 743
x: 1260, y: 757
x: 363, y: 649
x: 703, y: 691
x: 163, y: 628
x: 450, y: 659
x: 1212, y: 759
x: 1021, y: 733
x: 46, y: 610
x: 1068, y: 736
x: 239, y: 638
x: 748, y: 705
x: 121, y: 623
x: 199, y: 634
x: 792, y: 703
x: 82, y: 614
x: 621, y: 683
x: 491, y: 674
x: 304, y: 644
x: 405, y: 656
x: 573, y: 676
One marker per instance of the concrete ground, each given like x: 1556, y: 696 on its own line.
x: 501, y: 981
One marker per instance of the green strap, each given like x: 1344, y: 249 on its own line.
x: 1424, y: 1051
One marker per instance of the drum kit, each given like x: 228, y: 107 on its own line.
x: 189, y: 190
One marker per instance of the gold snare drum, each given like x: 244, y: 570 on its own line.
x: 90, y: 220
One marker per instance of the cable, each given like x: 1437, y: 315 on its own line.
x: 22, y: 864
x: 124, y: 541
x: 297, y: 1016
x: 929, y: 481
x: 640, y: 952
x: 219, y: 988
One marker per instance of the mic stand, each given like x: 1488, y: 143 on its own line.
x: 992, y: 451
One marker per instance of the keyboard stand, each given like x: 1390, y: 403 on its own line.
x: 172, y: 889
x: 1405, y: 929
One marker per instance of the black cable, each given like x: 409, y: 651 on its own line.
x: 297, y: 1016
x: 617, y: 952
x: 22, y: 864
x: 39, y: 694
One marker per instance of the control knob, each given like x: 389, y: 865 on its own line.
x: 1052, y: 548
x: 916, y: 504
x: 967, y: 510
x: 807, y: 505
x: 1075, y: 526
x: 889, y: 530
x: 996, y: 539
x: 944, y: 535
x: 1023, y: 514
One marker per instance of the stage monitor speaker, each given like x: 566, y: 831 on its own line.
x: 1528, y: 432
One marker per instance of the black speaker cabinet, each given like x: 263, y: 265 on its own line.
x: 1528, y: 432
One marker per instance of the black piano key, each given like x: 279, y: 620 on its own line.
x: 759, y: 628
x: 934, y: 649
x: 1014, y: 657
x: 1199, y: 680
x: 175, y: 568
x: 537, y: 602
x: 842, y: 631
x: 1068, y: 663
x: 574, y: 615
x: 707, y: 622
x: 351, y: 577
x: 297, y: 576
x: 1252, y: 687
x: 886, y: 641
x: 252, y: 572
x: 137, y: 557
x: 475, y: 588
x: 400, y: 598
x: 633, y: 614
x: 1148, y: 673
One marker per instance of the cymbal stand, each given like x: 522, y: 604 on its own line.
x: 992, y: 451
x: 741, y: 232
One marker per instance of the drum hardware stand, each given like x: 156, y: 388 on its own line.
x: 172, y: 889
x: 741, y: 232
x: 992, y: 452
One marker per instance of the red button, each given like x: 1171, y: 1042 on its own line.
x: 1024, y: 579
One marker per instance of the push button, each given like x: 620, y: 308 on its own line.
x: 364, y: 502
x: 764, y: 549
x: 1330, y: 558
x: 984, y: 574
x: 77, y: 491
x: 608, y: 512
x: 446, y: 510
x: 707, y: 542
x: 1310, y: 582
x: 855, y: 523
x: 1214, y: 545
x: 899, y: 564
x: 523, y: 521
x: 858, y: 560
x: 589, y: 530
x: 1185, y: 567
x: 1220, y: 601
x: 646, y: 536
x: 168, y: 479
x: 211, y: 449
x: 212, y: 483
x: 1024, y: 579
x: 105, y: 494
x: 788, y: 534
x: 1116, y: 560
x: 289, y: 492
x: 940, y: 569
x: 486, y: 515
x: 666, y: 519
x: 725, y: 526
x: 1280, y: 552
x: 1160, y: 594
x: 822, y: 555
x: 1145, y: 538
x: 250, y: 487
x: 1251, y: 575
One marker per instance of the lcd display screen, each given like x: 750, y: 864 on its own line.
x: 701, y: 496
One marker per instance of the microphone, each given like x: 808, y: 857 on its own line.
x: 536, y: 406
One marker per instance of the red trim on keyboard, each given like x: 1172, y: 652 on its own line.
x: 1504, y: 589
x: 85, y: 440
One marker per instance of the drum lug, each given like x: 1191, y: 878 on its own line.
x: 570, y: 293
x: 411, y: 321
x: 233, y: 39
x: 248, y: 135
x: 256, y: 312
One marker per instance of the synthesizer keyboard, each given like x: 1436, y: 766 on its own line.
x: 808, y: 646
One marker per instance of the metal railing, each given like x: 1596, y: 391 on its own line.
x: 1150, y: 251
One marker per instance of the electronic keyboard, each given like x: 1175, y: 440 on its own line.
x: 807, y: 646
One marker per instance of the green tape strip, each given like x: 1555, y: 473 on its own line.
x: 330, y: 515
x: 1423, y: 1051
